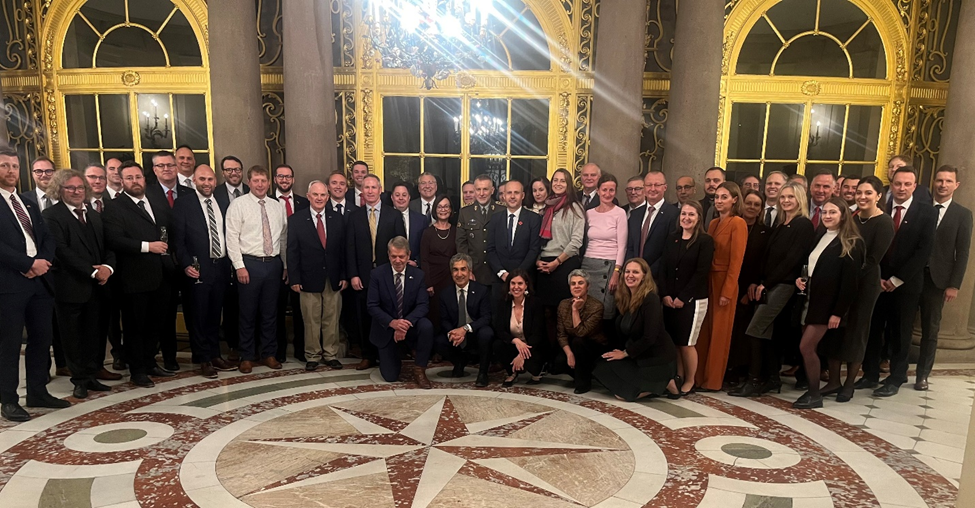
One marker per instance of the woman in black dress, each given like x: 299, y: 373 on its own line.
x: 519, y: 325
x: 751, y: 274
x: 685, y: 265
x: 648, y: 364
x: 877, y: 230
x: 833, y: 266
x: 437, y: 246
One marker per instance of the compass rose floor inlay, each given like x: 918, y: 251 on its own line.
x: 343, y: 438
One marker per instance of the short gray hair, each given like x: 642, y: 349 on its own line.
x: 579, y: 272
x: 460, y: 256
x: 313, y: 182
x: 399, y: 243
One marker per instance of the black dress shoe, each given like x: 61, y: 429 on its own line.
x: 534, y: 381
x: 458, y: 371
x: 14, y: 413
x: 921, y: 385
x: 844, y: 395
x: 865, y: 384
x: 80, y: 392
x: 887, y: 390
x: 95, y: 386
x: 171, y: 366
x: 482, y: 379
x: 46, y: 400
x: 143, y: 381
x: 334, y: 364
x: 311, y: 366
x: 808, y: 402
x: 157, y: 372
x: 118, y: 364
x: 802, y: 384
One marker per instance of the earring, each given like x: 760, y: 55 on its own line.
x: 526, y: 292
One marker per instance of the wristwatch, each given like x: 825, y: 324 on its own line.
x: 468, y: 328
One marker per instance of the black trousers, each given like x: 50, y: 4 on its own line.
x: 34, y: 310
x: 146, y: 318
x: 167, y: 335
x: 231, y: 313
x: 893, y: 314
x: 259, y: 300
x: 206, y: 300
x: 586, y: 352
x: 288, y: 298
x: 81, y: 325
x: 112, y: 308
x: 419, y: 337
x: 478, y: 341
x: 363, y: 325
x: 932, y: 303
x: 505, y: 352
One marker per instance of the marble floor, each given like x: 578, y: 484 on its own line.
x: 344, y: 438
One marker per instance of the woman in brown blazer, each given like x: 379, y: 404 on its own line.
x: 730, y: 234
x: 580, y: 332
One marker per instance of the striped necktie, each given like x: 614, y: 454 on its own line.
x: 215, y: 251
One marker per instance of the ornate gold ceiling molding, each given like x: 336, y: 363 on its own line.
x: 145, y: 79
x: 20, y: 81
x: 929, y: 93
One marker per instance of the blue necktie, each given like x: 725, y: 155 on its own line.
x: 511, y: 229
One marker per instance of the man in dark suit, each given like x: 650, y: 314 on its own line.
x: 467, y: 330
x: 398, y: 303
x: 359, y: 171
x: 713, y: 177
x: 946, y: 269
x: 902, y: 279
x: 589, y: 175
x: 133, y: 230
x: 233, y: 187
x: 472, y: 229
x: 316, y: 268
x: 651, y: 224
x: 26, y: 252
x: 513, y: 237
x: 426, y: 204
x: 370, y: 228
x: 921, y: 192
x: 338, y: 188
x: 200, y: 241
x: 414, y: 222
x: 82, y: 266
x: 284, y: 179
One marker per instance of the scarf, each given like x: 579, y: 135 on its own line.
x: 552, y: 205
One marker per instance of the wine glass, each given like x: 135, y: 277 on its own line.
x: 163, y: 234
x: 804, y: 277
x: 196, y: 266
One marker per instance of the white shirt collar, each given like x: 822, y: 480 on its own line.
x: 73, y: 208
x: 337, y: 203
x: 634, y: 207
x: 280, y: 194
x: 905, y: 204
x: 203, y: 199
x: 136, y: 200
x: 945, y: 204
x: 314, y: 214
x: 378, y: 205
x: 395, y: 272
x: 231, y: 188
x: 459, y: 289
x: 425, y: 202
x: 40, y: 194
x: 165, y: 189
x: 516, y: 212
x: 657, y: 205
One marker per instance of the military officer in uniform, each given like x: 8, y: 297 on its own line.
x: 472, y: 223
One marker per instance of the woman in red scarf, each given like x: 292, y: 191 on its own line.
x: 563, y: 228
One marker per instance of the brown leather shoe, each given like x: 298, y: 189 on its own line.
x: 207, y: 370
x: 223, y: 365
x: 105, y: 375
x: 365, y: 364
x: 246, y: 367
x: 62, y: 371
x: 233, y: 356
x: 420, y: 374
x: 921, y: 385
x: 271, y: 362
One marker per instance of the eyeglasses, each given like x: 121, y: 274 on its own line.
x: 233, y: 170
x: 165, y: 166
x: 45, y: 172
x: 443, y: 207
x: 284, y: 177
x: 684, y: 187
x: 634, y: 189
x: 74, y: 188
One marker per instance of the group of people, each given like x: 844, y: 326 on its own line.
x: 647, y: 297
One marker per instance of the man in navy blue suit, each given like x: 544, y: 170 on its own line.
x: 338, y: 188
x: 26, y: 252
x: 650, y: 224
x: 414, y: 222
x: 316, y: 267
x: 468, y: 329
x: 513, y: 237
x: 398, y: 303
x: 200, y: 241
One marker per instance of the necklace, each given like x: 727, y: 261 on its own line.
x: 864, y: 221
x: 442, y: 237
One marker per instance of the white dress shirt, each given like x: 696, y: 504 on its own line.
x: 358, y: 199
x: 433, y: 208
x: 343, y: 204
x: 218, y: 216
x: 145, y: 245
x: 103, y: 199
x: 112, y: 193
x: 514, y: 228
x: 656, y: 212
x: 84, y: 211
x: 406, y: 221
x: 245, y: 232
x: 775, y: 212
x: 942, y: 210
x: 44, y: 202
x: 187, y: 181
x: 315, y: 220
x: 31, y: 246
x: 893, y: 210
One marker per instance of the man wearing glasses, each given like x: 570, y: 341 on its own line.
x: 164, y: 166
x: 650, y: 225
x: 686, y: 190
x: 284, y: 180
x: 233, y: 181
x: 635, y: 196
x: 42, y: 169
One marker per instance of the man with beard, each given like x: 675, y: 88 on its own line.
x: 284, y: 179
x: 712, y: 179
x: 848, y: 191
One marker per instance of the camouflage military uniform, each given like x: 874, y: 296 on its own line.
x: 472, y: 239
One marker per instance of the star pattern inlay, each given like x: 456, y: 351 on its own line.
x: 421, y: 457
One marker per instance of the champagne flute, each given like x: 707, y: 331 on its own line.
x: 163, y: 234
x: 804, y: 277
x: 196, y: 266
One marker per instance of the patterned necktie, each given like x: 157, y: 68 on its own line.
x: 428, y: 210
x: 372, y: 230
x: 646, y: 228
x: 80, y: 212
x: 399, y: 296
x: 462, y: 309
x: 768, y: 216
x: 266, y: 230
x: 22, y: 217
x: 897, y: 217
x: 215, y: 251
x: 170, y: 198
x: 511, y: 229
x: 815, y: 218
x: 98, y: 205
x: 321, y: 229
x: 287, y: 205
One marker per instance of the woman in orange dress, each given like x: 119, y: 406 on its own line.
x: 730, y: 234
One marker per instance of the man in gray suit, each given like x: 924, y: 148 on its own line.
x: 946, y: 267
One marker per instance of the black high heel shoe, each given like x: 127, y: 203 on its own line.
x: 751, y: 388
x: 507, y: 384
x: 671, y: 395
x: 771, y: 384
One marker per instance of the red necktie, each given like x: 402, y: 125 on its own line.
x: 897, y: 218
x: 98, y: 205
x: 815, y: 218
x: 169, y: 197
x: 321, y: 229
x: 287, y: 205
x: 22, y: 217
x: 80, y: 212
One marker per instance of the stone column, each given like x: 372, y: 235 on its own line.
x: 695, y: 88
x: 235, y: 82
x: 617, y: 104
x: 958, y: 150
x: 309, y: 91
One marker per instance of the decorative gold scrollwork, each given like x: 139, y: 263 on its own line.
x: 25, y: 126
x: 274, y: 141
x: 587, y: 33
x: 936, y: 26
x: 583, y: 114
x: 659, y: 39
x: 655, y: 115
x: 269, y: 20
x: 922, y: 137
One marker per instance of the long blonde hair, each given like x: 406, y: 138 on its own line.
x: 848, y: 233
x: 802, y: 204
x: 627, y: 301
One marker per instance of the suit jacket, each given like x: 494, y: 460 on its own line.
x: 478, y: 306
x: 347, y: 208
x: 155, y: 193
x: 14, y: 261
x: 751, y: 265
x: 126, y: 227
x: 911, y: 248
x: 730, y: 238
x: 79, y: 247
x: 223, y: 195
x: 191, y: 234
x: 416, y: 205
x: 30, y: 197
x: 952, y: 241
x: 310, y: 264
x: 418, y: 224
x: 359, y: 253
x: 833, y: 284
x: 664, y: 223
x: 684, y: 271
x: 298, y: 203
x: 533, y: 323
x: 381, y: 301
x: 472, y: 238
x: 524, y: 250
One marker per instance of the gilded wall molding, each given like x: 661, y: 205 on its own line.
x: 149, y: 79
